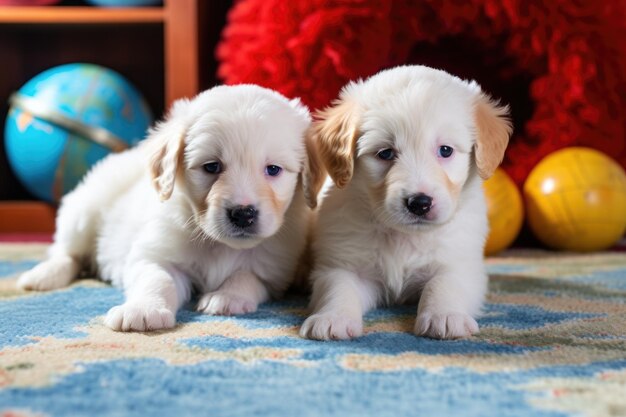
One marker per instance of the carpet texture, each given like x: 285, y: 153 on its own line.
x: 552, y: 343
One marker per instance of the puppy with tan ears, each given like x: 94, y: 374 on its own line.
x: 406, y: 221
x: 212, y: 200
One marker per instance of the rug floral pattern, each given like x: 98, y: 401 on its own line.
x: 552, y: 343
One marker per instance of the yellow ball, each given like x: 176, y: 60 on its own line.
x: 576, y: 200
x: 505, y: 211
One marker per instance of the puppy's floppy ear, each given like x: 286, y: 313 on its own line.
x: 335, y: 134
x: 167, y: 142
x: 314, y: 173
x: 493, y: 129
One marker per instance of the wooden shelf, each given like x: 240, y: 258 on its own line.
x: 80, y: 15
x: 26, y: 217
x: 181, y: 20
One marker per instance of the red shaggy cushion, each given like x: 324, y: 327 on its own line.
x: 560, y: 64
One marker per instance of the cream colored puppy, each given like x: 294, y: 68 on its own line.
x: 407, y: 150
x: 228, y: 216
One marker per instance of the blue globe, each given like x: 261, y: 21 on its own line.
x: 65, y: 119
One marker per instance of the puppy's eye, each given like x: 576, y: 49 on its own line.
x: 445, y: 151
x: 273, y: 170
x: 386, y: 154
x: 212, y: 167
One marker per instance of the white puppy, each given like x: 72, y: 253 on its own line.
x: 407, y: 150
x: 228, y: 216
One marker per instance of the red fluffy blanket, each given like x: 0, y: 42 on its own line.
x: 560, y: 64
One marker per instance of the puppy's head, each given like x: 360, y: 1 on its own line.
x: 410, y: 138
x: 235, y: 154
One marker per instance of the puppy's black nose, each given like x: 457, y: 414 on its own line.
x: 419, y: 204
x: 242, y: 216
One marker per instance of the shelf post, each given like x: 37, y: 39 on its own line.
x: 182, y: 48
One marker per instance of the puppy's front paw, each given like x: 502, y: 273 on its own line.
x: 445, y: 325
x: 325, y: 326
x: 225, y: 304
x: 140, y: 317
x: 49, y: 275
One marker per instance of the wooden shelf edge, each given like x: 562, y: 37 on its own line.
x: 26, y: 217
x: 80, y: 14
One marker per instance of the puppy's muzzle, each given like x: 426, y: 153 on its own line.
x: 243, y: 217
x: 419, y: 204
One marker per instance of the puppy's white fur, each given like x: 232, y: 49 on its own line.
x: 157, y: 250
x: 370, y: 250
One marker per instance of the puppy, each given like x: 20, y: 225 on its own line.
x: 406, y: 221
x: 212, y: 200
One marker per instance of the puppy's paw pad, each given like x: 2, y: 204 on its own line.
x: 139, y: 317
x: 49, y: 275
x: 331, y: 327
x: 445, y: 325
x: 225, y: 304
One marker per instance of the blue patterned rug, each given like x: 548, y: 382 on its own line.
x: 553, y: 343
